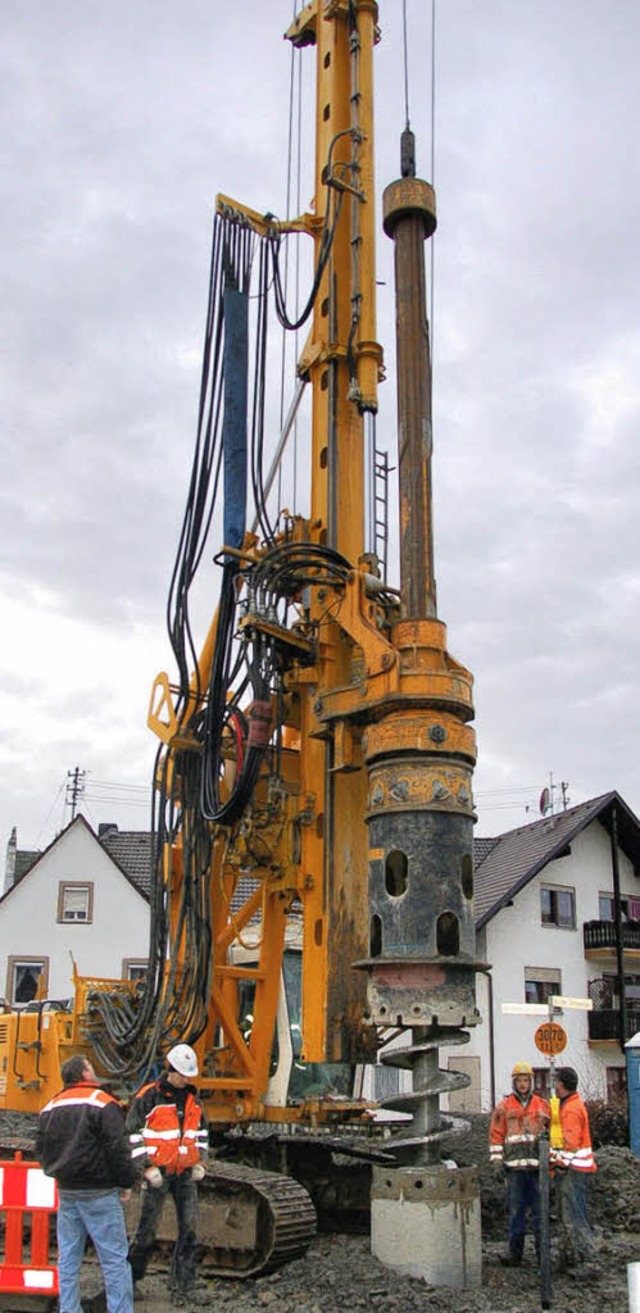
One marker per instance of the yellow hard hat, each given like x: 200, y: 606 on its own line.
x: 522, y: 1069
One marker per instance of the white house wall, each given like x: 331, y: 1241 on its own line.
x: 515, y: 938
x: 28, y: 915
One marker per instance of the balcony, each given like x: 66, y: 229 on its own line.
x: 604, y: 1023
x: 600, y: 938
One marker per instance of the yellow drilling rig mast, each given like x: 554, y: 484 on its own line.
x: 315, y: 755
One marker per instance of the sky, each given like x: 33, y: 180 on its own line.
x: 120, y: 124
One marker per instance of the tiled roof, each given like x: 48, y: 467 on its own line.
x: 244, y: 889
x: 514, y: 858
x: 481, y: 849
x: 131, y: 849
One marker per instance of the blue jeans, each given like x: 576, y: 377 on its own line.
x: 99, y: 1216
x: 184, y: 1193
x: 523, y: 1194
x: 577, y: 1243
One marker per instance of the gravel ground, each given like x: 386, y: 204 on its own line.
x: 338, y: 1272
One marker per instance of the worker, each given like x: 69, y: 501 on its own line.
x: 169, y: 1140
x: 514, y: 1135
x: 81, y: 1140
x: 572, y: 1165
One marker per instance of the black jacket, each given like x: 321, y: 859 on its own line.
x: 168, y: 1127
x: 81, y: 1140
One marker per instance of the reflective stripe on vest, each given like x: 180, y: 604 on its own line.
x: 162, y: 1141
x: 73, y: 1097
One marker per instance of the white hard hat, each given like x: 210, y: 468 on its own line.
x: 183, y: 1059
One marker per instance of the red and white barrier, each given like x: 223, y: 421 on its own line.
x: 27, y: 1200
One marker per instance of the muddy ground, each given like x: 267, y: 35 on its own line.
x: 339, y: 1273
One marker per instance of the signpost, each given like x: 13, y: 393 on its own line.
x: 545, y: 1229
x: 550, y: 1039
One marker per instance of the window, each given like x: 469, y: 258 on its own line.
x: 629, y: 908
x: 541, y: 1082
x: 606, y: 907
x: 540, y: 983
x: 134, y: 968
x: 558, y: 906
x: 632, y: 990
x: 26, y: 976
x: 386, y: 1081
x: 616, y: 1085
x: 609, y: 991
x: 75, y: 901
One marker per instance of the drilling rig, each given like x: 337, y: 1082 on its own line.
x: 315, y: 756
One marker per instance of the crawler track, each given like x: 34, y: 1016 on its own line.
x: 252, y: 1221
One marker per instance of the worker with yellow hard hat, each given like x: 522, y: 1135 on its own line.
x: 514, y: 1135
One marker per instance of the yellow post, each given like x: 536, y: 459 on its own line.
x: 341, y: 360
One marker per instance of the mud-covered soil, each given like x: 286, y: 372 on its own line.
x: 339, y: 1273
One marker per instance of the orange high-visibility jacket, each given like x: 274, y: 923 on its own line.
x: 515, y: 1131
x: 576, y: 1151
x: 159, y: 1137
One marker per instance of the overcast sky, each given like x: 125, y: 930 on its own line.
x: 120, y: 123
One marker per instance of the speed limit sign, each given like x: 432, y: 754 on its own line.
x: 550, y: 1038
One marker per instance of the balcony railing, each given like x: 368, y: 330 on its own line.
x: 602, y: 934
x: 605, y: 1024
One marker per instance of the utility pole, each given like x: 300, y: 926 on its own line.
x: 75, y: 789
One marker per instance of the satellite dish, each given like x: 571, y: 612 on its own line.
x: 545, y: 802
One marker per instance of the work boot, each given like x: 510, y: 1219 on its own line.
x: 510, y: 1260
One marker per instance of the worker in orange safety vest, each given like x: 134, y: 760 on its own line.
x: 573, y: 1164
x: 168, y: 1137
x: 514, y: 1135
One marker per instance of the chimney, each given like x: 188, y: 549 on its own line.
x: 107, y: 827
x: 10, y: 867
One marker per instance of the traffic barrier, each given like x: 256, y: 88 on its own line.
x: 633, y: 1279
x: 28, y: 1199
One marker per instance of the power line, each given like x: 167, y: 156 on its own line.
x: 119, y: 784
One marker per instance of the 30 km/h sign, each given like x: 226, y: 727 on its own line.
x: 550, y: 1038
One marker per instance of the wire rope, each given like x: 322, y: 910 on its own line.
x: 433, y: 168
x: 405, y: 51
x: 190, y: 807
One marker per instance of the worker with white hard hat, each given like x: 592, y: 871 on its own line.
x: 169, y: 1141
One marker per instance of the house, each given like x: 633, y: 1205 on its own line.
x: 84, y: 900
x: 557, y: 906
